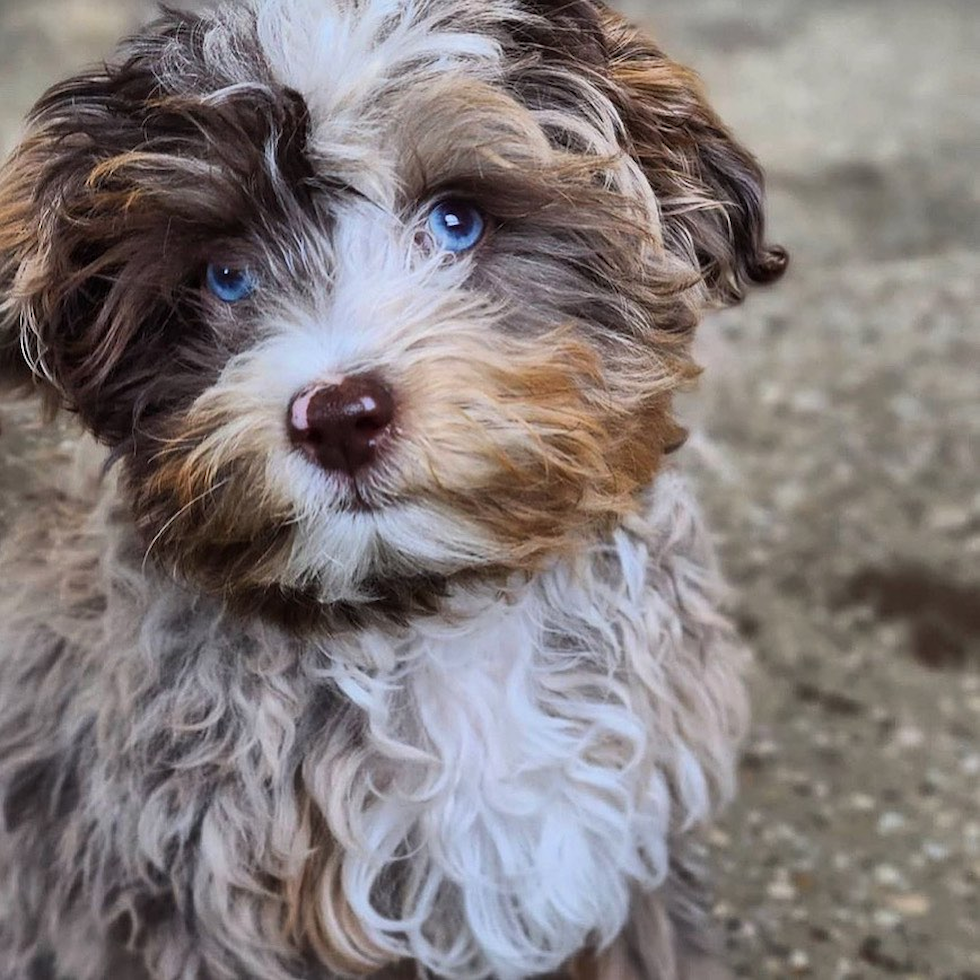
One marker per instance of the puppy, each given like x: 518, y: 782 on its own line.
x: 387, y: 643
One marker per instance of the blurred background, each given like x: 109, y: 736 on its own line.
x: 838, y: 435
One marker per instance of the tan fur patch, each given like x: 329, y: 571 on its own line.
x: 205, y: 503
x: 528, y: 439
x: 318, y: 916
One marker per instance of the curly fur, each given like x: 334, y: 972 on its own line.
x: 512, y: 770
x: 461, y: 712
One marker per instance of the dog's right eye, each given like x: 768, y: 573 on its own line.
x: 229, y: 284
x: 456, y: 225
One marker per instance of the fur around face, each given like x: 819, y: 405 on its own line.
x: 260, y: 720
x: 307, y: 141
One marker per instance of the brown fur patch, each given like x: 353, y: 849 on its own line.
x: 190, y: 502
x: 17, y: 234
x: 644, y: 951
x: 537, y: 446
x: 710, y: 187
x: 114, y: 204
x: 566, y: 421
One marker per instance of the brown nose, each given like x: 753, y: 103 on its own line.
x: 341, y: 426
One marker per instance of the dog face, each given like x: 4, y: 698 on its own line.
x: 371, y: 295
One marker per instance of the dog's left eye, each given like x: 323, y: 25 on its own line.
x: 229, y: 284
x: 456, y: 225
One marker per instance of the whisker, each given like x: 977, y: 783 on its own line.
x: 169, y: 524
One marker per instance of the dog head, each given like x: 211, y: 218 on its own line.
x: 370, y: 295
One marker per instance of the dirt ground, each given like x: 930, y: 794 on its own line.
x: 837, y: 451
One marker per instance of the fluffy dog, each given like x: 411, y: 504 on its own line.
x: 386, y: 643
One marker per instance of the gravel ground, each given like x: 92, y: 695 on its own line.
x: 837, y: 456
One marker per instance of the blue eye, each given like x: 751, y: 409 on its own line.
x: 230, y: 285
x: 456, y: 225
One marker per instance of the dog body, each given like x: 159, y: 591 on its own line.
x: 513, y: 770
x: 387, y: 641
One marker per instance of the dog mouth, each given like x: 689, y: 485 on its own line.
x: 360, y: 500
x: 355, y: 493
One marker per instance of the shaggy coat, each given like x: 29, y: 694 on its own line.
x: 457, y: 713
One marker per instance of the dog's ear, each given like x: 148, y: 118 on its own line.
x: 710, y: 189
x: 18, y: 242
x: 126, y: 177
x: 58, y: 217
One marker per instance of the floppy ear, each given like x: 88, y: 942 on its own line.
x: 710, y: 189
x: 18, y: 242
x: 64, y: 218
x: 126, y: 176
x: 50, y: 286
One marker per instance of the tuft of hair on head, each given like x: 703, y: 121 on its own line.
x: 710, y: 189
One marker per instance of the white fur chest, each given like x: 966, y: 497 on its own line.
x: 525, y: 768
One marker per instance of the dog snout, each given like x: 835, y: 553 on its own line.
x: 342, y: 425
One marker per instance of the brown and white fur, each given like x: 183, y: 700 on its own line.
x: 458, y: 713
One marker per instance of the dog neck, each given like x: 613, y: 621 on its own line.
x: 490, y: 784
x: 531, y: 751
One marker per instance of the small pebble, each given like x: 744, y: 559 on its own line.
x: 961, y: 888
x: 909, y: 737
x: 913, y: 904
x: 890, y: 822
x: 812, y: 400
x: 781, y: 889
x: 888, y: 876
x: 886, y: 919
x: 799, y: 962
x: 946, y: 519
x: 862, y: 802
